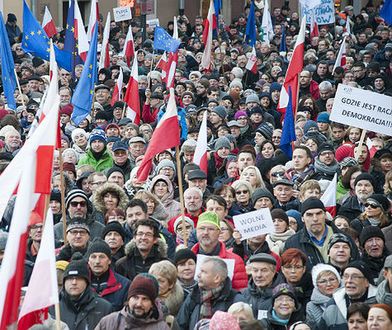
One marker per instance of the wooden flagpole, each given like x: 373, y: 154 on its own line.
x: 181, y: 192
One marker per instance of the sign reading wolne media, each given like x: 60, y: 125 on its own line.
x: 254, y: 223
x: 364, y: 109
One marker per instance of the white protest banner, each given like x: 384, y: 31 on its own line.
x: 202, y: 257
x: 254, y: 223
x: 152, y: 23
x: 122, y: 14
x: 364, y: 109
x: 323, y: 13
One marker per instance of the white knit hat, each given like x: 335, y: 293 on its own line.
x: 319, y: 268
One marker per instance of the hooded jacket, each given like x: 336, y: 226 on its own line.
x: 98, y: 197
x: 384, y: 294
x: 103, y: 163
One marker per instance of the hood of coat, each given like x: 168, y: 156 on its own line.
x: 160, y: 246
x: 168, y: 197
x: 98, y: 200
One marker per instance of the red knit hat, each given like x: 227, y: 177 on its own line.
x: 66, y: 110
x: 342, y: 152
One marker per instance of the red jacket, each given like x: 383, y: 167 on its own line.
x: 240, y: 278
x: 148, y: 116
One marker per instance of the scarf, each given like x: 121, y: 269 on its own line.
x: 218, y: 161
x: 279, y: 320
x: 207, y: 296
x: 326, y: 169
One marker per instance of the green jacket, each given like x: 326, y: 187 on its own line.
x: 340, y: 190
x: 104, y: 163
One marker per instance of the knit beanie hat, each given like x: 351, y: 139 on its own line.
x: 323, y: 117
x: 381, y: 201
x: 319, y: 268
x: 114, y: 169
x: 370, y: 232
x: 61, y: 264
x: 342, y: 152
x: 69, y: 167
x: 183, y: 255
x: 312, y: 203
x: 78, y: 131
x: 77, y: 267
x: 297, y: 216
x: 114, y: 226
x: 265, y: 130
x: 222, y: 321
x: 98, y: 245
x: 275, y: 87
x: 178, y: 221
x: 365, y: 176
x: 222, y: 142
x: 280, y: 214
x: 75, y: 193
x: 55, y: 195
x: 77, y: 223
x: 98, y: 134
x: 220, y: 111
x: 310, y: 124
x: 208, y: 217
x: 260, y: 193
x: 165, y: 163
x: 145, y: 284
x: 362, y: 267
x: 325, y: 147
x: 252, y: 98
x: 336, y: 238
x: 284, y: 289
x: 239, y: 114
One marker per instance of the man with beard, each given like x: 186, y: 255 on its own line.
x: 142, y: 311
x: 97, y: 156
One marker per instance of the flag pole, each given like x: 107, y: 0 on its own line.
x: 360, y: 144
x: 20, y: 90
x: 181, y: 192
x: 57, y: 315
x: 62, y: 190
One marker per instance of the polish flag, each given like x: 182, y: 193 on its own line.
x: 80, y: 34
x: 252, y: 62
x: 129, y: 47
x: 104, y: 60
x: 329, y: 196
x: 48, y: 23
x: 341, y: 58
x: 166, y: 136
x: 314, y: 31
x: 94, y: 16
x: 117, y: 92
x: 200, y: 156
x: 162, y: 64
x: 295, y: 67
x: 171, y: 69
x: 207, y: 38
x: 347, y: 28
x: 40, y: 297
x: 131, y: 97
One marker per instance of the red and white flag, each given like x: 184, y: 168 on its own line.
x: 329, y: 196
x: 131, y: 97
x: 48, y: 23
x: 117, y: 91
x: 347, y: 28
x: 207, y: 38
x: 80, y: 34
x: 129, y: 47
x: 341, y: 58
x: 40, y: 297
x: 165, y: 136
x: 252, y: 62
x: 162, y: 64
x: 314, y: 31
x: 295, y: 67
x: 104, y: 60
x: 94, y: 17
x: 200, y: 156
x: 171, y: 69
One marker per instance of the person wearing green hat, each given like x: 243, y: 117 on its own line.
x: 207, y: 232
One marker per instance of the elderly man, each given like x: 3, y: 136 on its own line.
x: 207, y: 231
x: 198, y: 179
x: 212, y: 293
x: 326, y: 92
x: 358, y: 287
x: 137, y: 146
x: 339, y: 251
x: 314, y: 238
x: 142, y: 310
x: 12, y: 140
x: 284, y: 194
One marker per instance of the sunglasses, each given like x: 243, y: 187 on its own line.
x: 276, y: 174
x: 371, y: 205
x: 241, y: 192
x: 75, y: 204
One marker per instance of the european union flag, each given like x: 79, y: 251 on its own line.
x: 163, y: 40
x: 283, y: 46
x: 84, y: 93
x: 250, y: 31
x: 386, y: 11
x: 70, y: 43
x: 7, y: 66
x: 36, y: 42
x: 288, y: 130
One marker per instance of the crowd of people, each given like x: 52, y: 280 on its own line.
x: 127, y: 258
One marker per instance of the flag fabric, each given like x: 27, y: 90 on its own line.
x: 329, y: 196
x: 175, y: 28
x: 251, y: 65
x: 104, y: 60
x: 129, y: 47
x: 131, y: 97
x: 48, y: 23
x: 314, y: 31
x: 217, y: 6
x: 288, y: 130
x: 200, y: 156
x: 82, y: 43
x: 117, y: 91
x: 250, y: 32
x: 40, y: 297
x: 7, y: 66
x: 283, y: 45
x: 347, y: 27
x: 93, y: 19
x: 295, y: 67
x: 162, y: 65
x: 165, y: 136
x: 164, y: 41
x: 207, y: 38
x: 266, y: 24
x: 386, y: 11
x: 171, y: 69
x: 341, y: 57
x: 36, y: 42
x: 82, y: 99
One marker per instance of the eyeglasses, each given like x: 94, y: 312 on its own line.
x: 275, y: 137
x: 98, y: 183
x: 241, y: 192
x: 354, y: 277
x: 75, y: 204
x: 285, y: 298
x: 293, y: 267
x: 148, y: 235
x: 208, y: 229
x: 327, y: 281
x: 371, y: 205
x: 275, y: 174
x: 36, y: 226
x: 78, y: 232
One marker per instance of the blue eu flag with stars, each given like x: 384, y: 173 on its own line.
x: 82, y: 99
x: 70, y: 42
x: 164, y: 41
x: 288, y: 130
x: 7, y: 66
x: 36, y: 42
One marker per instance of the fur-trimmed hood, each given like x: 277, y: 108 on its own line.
x: 160, y: 247
x: 113, y: 188
x: 169, y: 196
